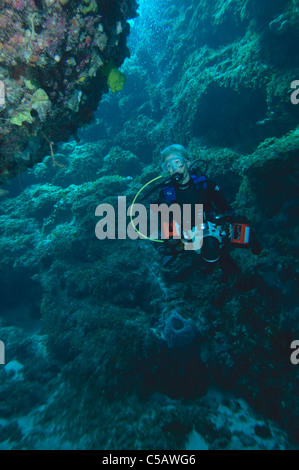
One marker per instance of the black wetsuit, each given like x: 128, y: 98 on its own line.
x: 204, y: 192
x: 207, y: 193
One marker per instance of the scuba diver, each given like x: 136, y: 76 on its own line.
x: 219, y: 231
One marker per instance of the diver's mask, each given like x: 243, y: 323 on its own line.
x: 173, y: 164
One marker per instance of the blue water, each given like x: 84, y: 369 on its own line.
x: 102, y: 346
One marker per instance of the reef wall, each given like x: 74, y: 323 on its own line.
x: 56, y: 58
x: 224, y: 76
x: 127, y: 343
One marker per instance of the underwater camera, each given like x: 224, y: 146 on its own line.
x: 236, y: 232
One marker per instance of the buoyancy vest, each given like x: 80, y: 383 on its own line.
x: 169, y: 192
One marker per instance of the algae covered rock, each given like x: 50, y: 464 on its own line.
x: 51, y: 57
x: 120, y: 162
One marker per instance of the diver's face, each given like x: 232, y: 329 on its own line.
x: 176, y: 164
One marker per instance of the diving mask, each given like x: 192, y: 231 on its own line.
x: 173, y: 163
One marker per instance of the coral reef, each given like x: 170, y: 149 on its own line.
x: 98, y: 357
x: 225, y: 63
x: 51, y: 60
x: 109, y: 321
